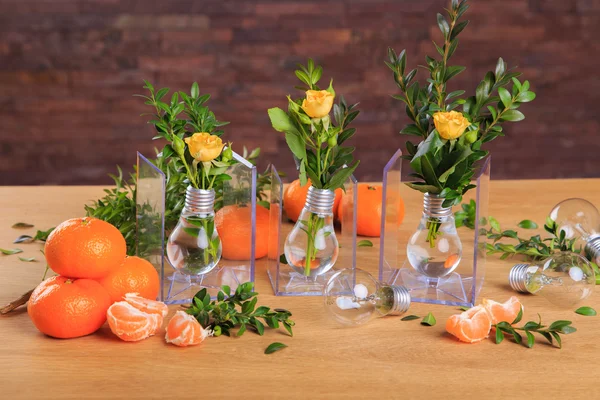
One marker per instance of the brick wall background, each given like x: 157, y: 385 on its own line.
x: 68, y: 70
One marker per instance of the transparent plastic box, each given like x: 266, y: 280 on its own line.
x: 284, y: 280
x: 462, y: 286
x: 178, y: 288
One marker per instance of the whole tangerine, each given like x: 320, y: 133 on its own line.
x: 67, y: 308
x: 234, y: 227
x: 134, y: 275
x: 85, y: 248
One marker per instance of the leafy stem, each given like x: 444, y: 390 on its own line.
x: 551, y: 333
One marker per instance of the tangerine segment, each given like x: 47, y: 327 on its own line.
x: 85, y: 248
x: 134, y: 275
x: 67, y: 308
x: 183, y: 330
x: 131, y: 324
x: 470, y: 326
x: 506, y: 311
x: 147, y: 306
x: 451, y: 261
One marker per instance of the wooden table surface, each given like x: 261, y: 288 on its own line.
x: 386, y: 358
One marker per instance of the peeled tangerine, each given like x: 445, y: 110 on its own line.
x: 136, y: 318
x: 476, y: 323
x: 507, y: 311
x: 470, y: 326
x: 183, y: 330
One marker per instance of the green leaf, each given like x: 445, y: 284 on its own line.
x: 527, y: 224
x: 27, y: 259
x: 410, y: 318
x: 519, y: 316
x: 443, y: 25
x: 559, y: 325
x: 512, y: 116
x: 192, y: 231
x: 364, y: 243
x: 24, y: 239
x: 505, y: 97
x: 9, y: 252
x: 281, y: 122
x: 530, y: 339
x: 340, y: 177
x: 273, y: 347
x: 499, y: 336
x: 428, y: 320
x: 282, y: 259
x: 296, y: 145
x: 587, y: 311
x: 241, y: 331
x: 556, y: 337
x: 22, y: 225
x: 525, y: 97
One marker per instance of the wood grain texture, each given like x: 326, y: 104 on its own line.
x: 386, y: 359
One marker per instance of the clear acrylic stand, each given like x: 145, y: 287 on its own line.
x: 462, y: 286
x: 284, y: 280
x: 178, y: 288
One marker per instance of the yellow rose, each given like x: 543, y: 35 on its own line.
x: 317, y: 103
x: 204, y: 146
x: 450, y: 125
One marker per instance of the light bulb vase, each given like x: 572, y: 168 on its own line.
x: 303, y: 256
x: 203, y: 250
x: 438, y: 262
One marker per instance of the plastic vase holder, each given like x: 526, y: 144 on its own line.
x: 284, y: 279
x: 462, y: 285
x: 240, y: 192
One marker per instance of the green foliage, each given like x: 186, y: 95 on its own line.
x: 550, y: 333
x: 316, y: 143
x: 440, y: 166
x: 428, y: 320
x: 237, y: 310
x: 180, y: 118
x: 273, y: 347
x: 587, y: 311
x: 10, y: 252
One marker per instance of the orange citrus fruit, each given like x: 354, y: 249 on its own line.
x: 66, y: 308
x: 274, y: 222
x: 146, y: 305
x: 470, y: 326
x: 130, y: 324
x: 368, y: 210
x: 134, y: 275
x: 85, y: 248
x: 294, y: 198
x: 183, y: 330
x: 506, y: 311
x: 233, y: 224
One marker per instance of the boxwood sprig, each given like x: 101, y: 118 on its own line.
x: 237, y: 310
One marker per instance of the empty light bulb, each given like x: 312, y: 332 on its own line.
x: 311, y: 248
x: 194, y: 246
x: 564, y: 278
x: 579, y: 219
x: 435, y: 249
x: 353, y: 297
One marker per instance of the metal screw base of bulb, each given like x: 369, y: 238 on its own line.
x: 592, y: 248
x: 320, y: 201
x: 517, y: 278
x: 401, y: 300
x: 432, y: 206
x: 199, y: 201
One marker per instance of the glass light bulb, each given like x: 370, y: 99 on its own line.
x: 435, y: 249
x: 194, y: 247
x: 564, y: 278
x: 312, y: 248
x: 353, y: 297
x: 580, y: 220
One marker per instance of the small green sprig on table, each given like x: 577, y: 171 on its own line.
x: 237, y: 310
x: 550, y: 333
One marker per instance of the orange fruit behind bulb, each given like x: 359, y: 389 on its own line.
x: 85, y: 248
x: 294, y: 198
x: 67, y: 308
x: 134, y: 275
x: 368, y: 209
x: 233, y: 224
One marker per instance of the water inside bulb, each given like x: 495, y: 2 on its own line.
x: 435, y: 249
x: 312, y: 248
x: 194, y: 247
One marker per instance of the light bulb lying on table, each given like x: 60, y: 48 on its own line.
x: 579, y: 219
x: 353, y: 297
x: 564, y: 278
